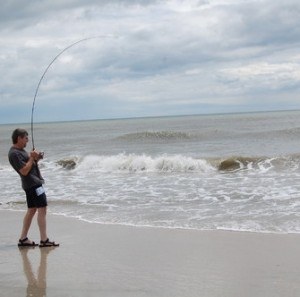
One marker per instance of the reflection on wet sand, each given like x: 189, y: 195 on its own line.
x: 37, y: 284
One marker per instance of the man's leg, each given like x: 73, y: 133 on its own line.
x: 42, y: 211
x: 27, y: 222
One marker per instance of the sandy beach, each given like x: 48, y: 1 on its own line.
x: 109, y: 260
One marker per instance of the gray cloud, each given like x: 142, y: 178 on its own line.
x: 154, y: 58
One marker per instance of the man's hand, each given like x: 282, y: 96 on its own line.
x: 36, y: 155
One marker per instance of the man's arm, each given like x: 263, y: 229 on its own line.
x: 26, y: 169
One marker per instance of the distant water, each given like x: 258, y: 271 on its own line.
x: 233, y: 172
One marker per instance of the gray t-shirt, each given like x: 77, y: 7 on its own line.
x: 18, y: 159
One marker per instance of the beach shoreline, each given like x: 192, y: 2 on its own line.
x: 114, y: 260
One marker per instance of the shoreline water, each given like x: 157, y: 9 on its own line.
x: 100, y: 260
x: 127, y: 225
x: 232, y: 172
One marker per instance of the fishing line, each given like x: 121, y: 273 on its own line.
x: 44, y: 73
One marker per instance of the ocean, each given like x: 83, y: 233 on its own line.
x: 208, y: 172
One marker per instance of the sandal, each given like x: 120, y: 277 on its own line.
x: 48, y: 243
x: 23, y: 242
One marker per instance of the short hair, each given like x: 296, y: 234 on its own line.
x: 18, y: 132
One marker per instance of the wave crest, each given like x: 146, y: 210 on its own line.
x: 67, y: 163
x: 260, y: 163
x: 177, y: 163
x: 137, y: 163
x: 235, y: 163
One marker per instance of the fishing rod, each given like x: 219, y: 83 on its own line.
x: 44, y: 73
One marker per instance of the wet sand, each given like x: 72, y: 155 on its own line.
x: 110, y: 260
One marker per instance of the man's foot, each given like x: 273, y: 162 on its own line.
x: 48, y: 243
x: 26, y: 242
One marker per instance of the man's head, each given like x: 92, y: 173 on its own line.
x: 20, y: 135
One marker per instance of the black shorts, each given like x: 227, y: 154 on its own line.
x: 36, y: 197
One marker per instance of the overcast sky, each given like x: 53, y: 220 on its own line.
x: 150, y: 58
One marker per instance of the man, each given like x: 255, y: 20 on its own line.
x: 32, y: 182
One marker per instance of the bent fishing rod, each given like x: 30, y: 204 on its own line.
x: 44, y: 73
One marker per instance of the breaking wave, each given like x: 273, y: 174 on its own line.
x: 236, y: 163
x: 177, y: 163
x: 136, y: 163
x: 260, y: 163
